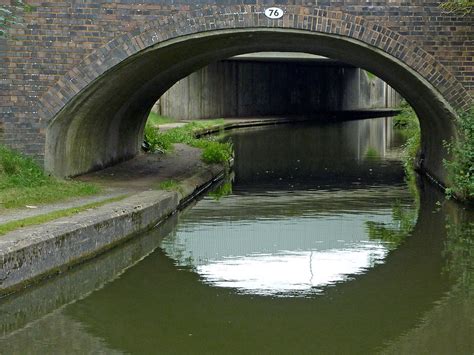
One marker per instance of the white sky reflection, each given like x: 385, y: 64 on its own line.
x: 292, y: 272
x: 289, y: 257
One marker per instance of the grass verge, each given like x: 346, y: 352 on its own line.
x: 23, y: 182
x: 47, y: 217
x: 212, y: 150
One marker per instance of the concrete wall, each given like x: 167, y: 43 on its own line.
x: 241, y: 88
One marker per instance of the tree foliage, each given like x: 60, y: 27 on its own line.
x: 458, y: 6
x: 9, y: 15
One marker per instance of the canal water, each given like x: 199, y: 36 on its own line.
x: 316, y: 244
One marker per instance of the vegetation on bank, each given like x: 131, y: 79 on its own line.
x: 23, y: 182
x: 407, y: 122
x: 213, y: 151
x: 461, y: 165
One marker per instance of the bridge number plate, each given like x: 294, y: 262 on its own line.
x: 274, y: 13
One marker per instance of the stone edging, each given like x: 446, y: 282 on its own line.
x: 34, y: 253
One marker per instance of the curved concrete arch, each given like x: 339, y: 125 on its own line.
x: 95, y: 115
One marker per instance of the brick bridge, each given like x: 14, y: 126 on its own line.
x: 79, y: 77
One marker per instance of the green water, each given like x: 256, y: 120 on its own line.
x: 320, y: 248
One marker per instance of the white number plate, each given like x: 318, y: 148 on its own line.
x: 274, y: 12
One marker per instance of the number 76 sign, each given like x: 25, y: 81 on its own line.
x: 274, y: 13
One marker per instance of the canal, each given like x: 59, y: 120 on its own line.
x: 316, y: 243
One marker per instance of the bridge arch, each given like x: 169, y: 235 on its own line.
x: 94, y: 116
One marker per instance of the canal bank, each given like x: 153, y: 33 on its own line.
x: 30, y: 254
x: 133, y: 202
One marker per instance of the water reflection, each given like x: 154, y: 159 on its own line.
x: 301, y: 217
x: 402, y: 281
x: 314, y: 156
x: 289, y: 244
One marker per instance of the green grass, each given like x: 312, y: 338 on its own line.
x: 371, y: 153
x: 212, y: 151
x: 30, y: 221
x: 170, y: 185
x: 23, y: 182
x: 155, y: 119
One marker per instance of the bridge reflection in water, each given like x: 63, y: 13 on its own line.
x: 398, y: 285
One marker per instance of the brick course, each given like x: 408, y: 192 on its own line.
x: 64, y: 45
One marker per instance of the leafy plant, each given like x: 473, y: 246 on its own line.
x: 461, y: 166
x: 214, y: 152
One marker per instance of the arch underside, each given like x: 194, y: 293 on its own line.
x: 103, y: 124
